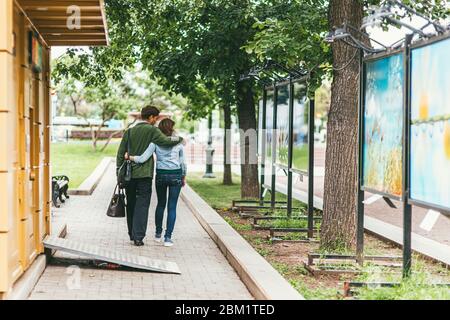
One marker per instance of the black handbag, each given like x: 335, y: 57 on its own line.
x: 124, y: 172
x: 117, y: 206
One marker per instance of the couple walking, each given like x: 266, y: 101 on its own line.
x: 143, y: 140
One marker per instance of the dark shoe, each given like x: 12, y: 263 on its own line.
x: 138, y: 243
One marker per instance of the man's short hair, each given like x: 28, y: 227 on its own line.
x: 149, y: 111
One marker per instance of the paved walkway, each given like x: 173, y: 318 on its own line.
x: 206, y: 274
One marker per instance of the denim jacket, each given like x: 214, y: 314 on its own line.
x: 168, y: 158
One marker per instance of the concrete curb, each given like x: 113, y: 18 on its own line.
x: 88, y: 186
x: 261, y: 279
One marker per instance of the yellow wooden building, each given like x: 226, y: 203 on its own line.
x: 28, y: 30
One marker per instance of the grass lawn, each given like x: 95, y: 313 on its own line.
x: 77, y: 159
x: 300, y: 157
x: 219, y: 196
x: 213, y: 191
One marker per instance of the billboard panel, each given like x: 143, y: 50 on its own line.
x: 269, y: 132
x: 282, y: 125
x: 430, y: 124
x: 300, y: 126
x: 383, y: 125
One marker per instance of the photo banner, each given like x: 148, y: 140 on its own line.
x: 260, y: 130
x: 269, y: 133
x: 282, y: 125
x: 300, y: 128
x: 383, y: 125
x: 430, y: 124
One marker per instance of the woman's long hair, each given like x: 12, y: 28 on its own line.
x: 166, y: 126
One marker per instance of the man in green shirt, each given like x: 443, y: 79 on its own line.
x: 139, y: 189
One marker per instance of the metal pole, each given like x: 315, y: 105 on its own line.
x: 274, y: 145
x: 290, y: 146
x: 311, y: 169
x: 209, y: 151
x: 263, y: 146
x: 407, y: 212
x: 360, y: 198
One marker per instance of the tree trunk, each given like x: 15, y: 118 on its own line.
x: 227, y: 177
x: 74, y: 103
x: 93, y: 138
x: 248, y: 150
x: 98, y: 133
x: 110, y: 137
x: 339, y: 216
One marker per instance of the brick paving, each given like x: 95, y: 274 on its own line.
x: 206, y: 274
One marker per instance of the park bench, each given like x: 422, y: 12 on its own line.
x: 60, y: 186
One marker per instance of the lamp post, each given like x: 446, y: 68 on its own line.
x: 209, y: 151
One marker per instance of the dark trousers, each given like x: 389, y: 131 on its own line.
x: 164, y: 183
x: 138, y: 192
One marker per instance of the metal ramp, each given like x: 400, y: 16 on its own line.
x: 119, y: 258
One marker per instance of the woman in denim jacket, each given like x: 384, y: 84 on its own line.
x: 170, y: 176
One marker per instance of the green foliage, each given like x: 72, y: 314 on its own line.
x: 213, y: 191
x: 300, y: 157
x: 196, y: 46
x: 259, y: 241
x: 237, y: 226
x: 418, y: 287
x: 263, y: 251
x: 200, y: 48
x: 339, y: 247
x: 294, y: 38
x: 317, y: 293
x: 186, y: 41
x: 287, y: 223
x: 80, y: 93
x: 436, y: 10
x: 202, y: 99
x: 105, y: 100
x: 282, y: 268
x: 111, y: 99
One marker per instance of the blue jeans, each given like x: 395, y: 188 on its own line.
x: 172, y: 183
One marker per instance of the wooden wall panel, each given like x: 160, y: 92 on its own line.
x: 6, y: 75
x: 7, y: 132
x: 6, y: 26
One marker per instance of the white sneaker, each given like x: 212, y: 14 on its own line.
x: 168, y: 243
x: 158, y: 239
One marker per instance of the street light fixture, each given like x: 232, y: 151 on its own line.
x: 209, y: 151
